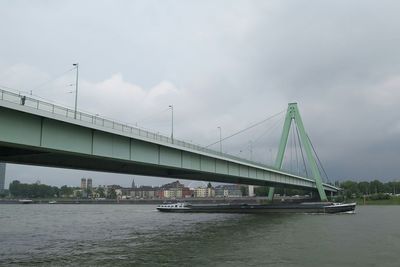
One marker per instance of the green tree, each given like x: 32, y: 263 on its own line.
x: 392, y: 187
x: 15, y: 188
x: 88, y: 192
x: 100, y: 191
x: 364, y: 188
x: 56, y: 191
x: 66, y: 191
x: 261, y: 191
x: 18, y: 189
x: 396, y: 187
x: 377, y: 187
x: 112, y: 194
x: 4, y: 193
x: 350, y: 188
x: 244, y: 190
x: 79, y: 194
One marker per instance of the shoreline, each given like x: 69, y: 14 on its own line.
x: 134, y: 201
x: 248, y: 200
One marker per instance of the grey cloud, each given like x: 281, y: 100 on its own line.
x: 223, y: 64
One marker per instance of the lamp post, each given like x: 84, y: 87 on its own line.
x: 220, y: 139
x: 76, y: 88
x: 172, y: 122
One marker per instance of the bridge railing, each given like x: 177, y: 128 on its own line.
x: 29, y: 101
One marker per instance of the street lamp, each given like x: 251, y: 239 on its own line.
x: 76, y: 65
x: 220, y: 139
x: 172, y: 122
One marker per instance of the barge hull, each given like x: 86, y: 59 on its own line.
x: 257, y: 208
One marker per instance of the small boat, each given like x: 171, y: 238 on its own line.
x: 53, y: 202
x: 306, y: 207
x: 25, y: 201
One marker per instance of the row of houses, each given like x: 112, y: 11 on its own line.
x: 176, y: 190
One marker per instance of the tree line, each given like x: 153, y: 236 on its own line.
x: 23, y: 190
x: 18, y: 189
x: 352, y: 189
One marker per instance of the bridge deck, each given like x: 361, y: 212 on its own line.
x: 37, y: 132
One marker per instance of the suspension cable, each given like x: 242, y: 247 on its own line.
x: 245, y: 129
x: 320, y: 163
x: 52, y: 79
x: 265, y: 133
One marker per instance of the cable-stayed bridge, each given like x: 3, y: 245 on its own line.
x: 40, y: 133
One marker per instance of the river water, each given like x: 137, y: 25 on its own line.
x: 138, y: 235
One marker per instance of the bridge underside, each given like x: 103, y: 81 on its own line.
x: 32, y: 156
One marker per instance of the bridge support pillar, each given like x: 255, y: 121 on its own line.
x: 251, y: 191
x: 2, y: 176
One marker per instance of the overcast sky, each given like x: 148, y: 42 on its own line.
x: 220, y: 63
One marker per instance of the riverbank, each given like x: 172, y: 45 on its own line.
x: 248, y: 200
x: 390, y: 201
x: 137, y: 201
x: 260, y: 200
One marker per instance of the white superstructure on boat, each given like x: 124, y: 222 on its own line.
x: 174, y: 206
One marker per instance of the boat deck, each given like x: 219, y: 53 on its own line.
x: 317, y: 207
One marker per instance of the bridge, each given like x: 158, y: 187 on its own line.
x: 36, y: 132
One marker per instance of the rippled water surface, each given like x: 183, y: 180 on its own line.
x: 138, y: 235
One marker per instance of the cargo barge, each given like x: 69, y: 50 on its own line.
x: 306, y: 207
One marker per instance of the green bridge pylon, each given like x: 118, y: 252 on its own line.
x: 293, y: 114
